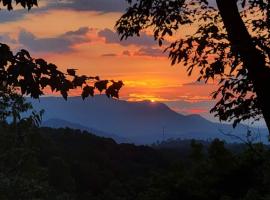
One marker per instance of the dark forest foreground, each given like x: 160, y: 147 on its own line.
x: 68, y: 164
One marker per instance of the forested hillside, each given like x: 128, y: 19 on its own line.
x: 46, y: 163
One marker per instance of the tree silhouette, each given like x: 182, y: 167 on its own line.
x: 32, y: 75
x: 24, y: 3
x: 12, y: 108
x: 230, y: 44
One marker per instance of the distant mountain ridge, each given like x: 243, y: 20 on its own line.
x: 140, y: 122
x: 59, y: 123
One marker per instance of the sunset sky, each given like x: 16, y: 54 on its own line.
x: 80, y: 34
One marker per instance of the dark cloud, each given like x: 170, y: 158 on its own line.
x: 15, y: 15
x: 91, y: 5
x: 97, y: 5
x: 197, y: 83
x: 126, y: 53
x: 148, y: 51
x: 77, y: 5
x: 109, y: 55
x: 112, y: 37
x: 62, y: 43
x: 7, y: 16
x: 5, y: 38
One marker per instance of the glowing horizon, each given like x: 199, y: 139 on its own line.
x: 86, y: 40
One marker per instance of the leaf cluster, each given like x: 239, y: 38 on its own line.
x: 15, y: 110
x: 24, y: 3
x: 32, y: 76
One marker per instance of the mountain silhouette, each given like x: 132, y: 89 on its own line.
x: 140, y: 122
x: 60, y: 123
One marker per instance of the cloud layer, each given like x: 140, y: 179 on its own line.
x: 91, y: 5
x: 149, y: 51
x: 112, y: 37
x: 60, y: 44
x: 105, y: 6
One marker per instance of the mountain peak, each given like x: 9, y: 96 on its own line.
x: 141, y: 122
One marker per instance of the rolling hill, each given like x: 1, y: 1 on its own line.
x: 139, y: 122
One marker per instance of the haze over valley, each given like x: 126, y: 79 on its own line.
x: 142, y: 122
